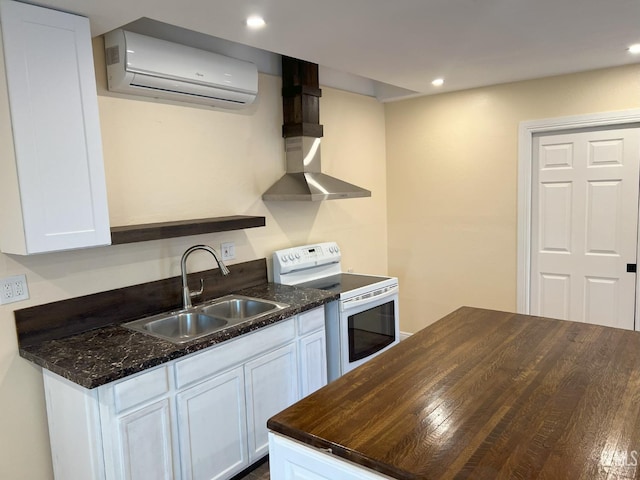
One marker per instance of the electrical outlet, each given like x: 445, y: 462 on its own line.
x: 228, y: 250
x: 13, y: 289
x: 18, y: 288
x: 7, y: 293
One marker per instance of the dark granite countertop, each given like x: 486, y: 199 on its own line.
x: 102, y: 355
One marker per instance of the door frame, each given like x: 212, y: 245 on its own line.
x: 526, y: 130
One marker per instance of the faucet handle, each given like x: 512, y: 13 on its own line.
x: 197, y: 293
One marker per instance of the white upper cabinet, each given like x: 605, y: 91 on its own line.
x: 52, y: 185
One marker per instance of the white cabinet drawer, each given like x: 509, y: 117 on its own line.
x: 311, y: 320
x: 222, y: 357
x: 141, y: 388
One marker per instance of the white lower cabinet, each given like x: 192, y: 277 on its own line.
x: 146, y: 443
x: 272, y: 385
x: 138, y: 427
x: 291, y: 460
x: 213, y: 414
x: 313, y: 369
x: 201, y: 417
x: 312, y: 351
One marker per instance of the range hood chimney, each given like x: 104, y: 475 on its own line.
x: 302, y: 134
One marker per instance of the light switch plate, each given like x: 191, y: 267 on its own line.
x: 13, y: 289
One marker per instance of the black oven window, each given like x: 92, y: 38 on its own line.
x: 371, y: 331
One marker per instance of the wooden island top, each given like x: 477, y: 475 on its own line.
x: 485, y: 394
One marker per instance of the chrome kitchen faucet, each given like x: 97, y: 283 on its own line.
x: 186, y: 294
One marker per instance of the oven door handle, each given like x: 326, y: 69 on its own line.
x: 360, y: 300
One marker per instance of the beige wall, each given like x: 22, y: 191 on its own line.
x: 169, y: 162
x: 451, y: 179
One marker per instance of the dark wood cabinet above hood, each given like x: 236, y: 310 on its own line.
x: 300, y: 99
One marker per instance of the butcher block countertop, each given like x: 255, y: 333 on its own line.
x: 485, y: 394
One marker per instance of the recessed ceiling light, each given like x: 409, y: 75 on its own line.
x: 438, y: 82
x: 635, y: 49
x: 255, y: 22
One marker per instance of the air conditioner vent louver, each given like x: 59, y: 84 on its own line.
x: 112, y: 55
x: 176, y: 92
x: 141, y: 65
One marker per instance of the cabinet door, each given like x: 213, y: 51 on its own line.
x: 145, y: 441
x: 73, y: 415
x: 290, y: 460
x: 212, y: 427
x: 313, y: 362
x: 58, y: 166
x: 272, y: 386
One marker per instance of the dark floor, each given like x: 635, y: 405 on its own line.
x: 260, y: 473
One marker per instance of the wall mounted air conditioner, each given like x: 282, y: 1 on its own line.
x: 141, y: 65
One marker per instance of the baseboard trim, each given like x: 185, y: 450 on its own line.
x: 405, y: 335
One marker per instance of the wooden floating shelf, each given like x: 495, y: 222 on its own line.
x: 182, y: 228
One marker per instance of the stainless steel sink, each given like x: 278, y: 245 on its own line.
x: 237, y: 307
x: 179, y: 327
x: 199, y: 321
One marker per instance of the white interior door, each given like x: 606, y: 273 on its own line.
x: 584, y: 228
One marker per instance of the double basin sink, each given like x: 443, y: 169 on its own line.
x: 196, y: 322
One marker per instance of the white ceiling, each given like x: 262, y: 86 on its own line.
x: 406, y: 43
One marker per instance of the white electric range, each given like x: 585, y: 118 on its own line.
x: 359, y: 326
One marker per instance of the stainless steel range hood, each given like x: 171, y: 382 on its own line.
x: 302, y: 132
x: 304, y: 179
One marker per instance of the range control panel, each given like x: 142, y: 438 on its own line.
x: 305, y: 257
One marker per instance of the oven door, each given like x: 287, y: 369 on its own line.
x: 368, y: 327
